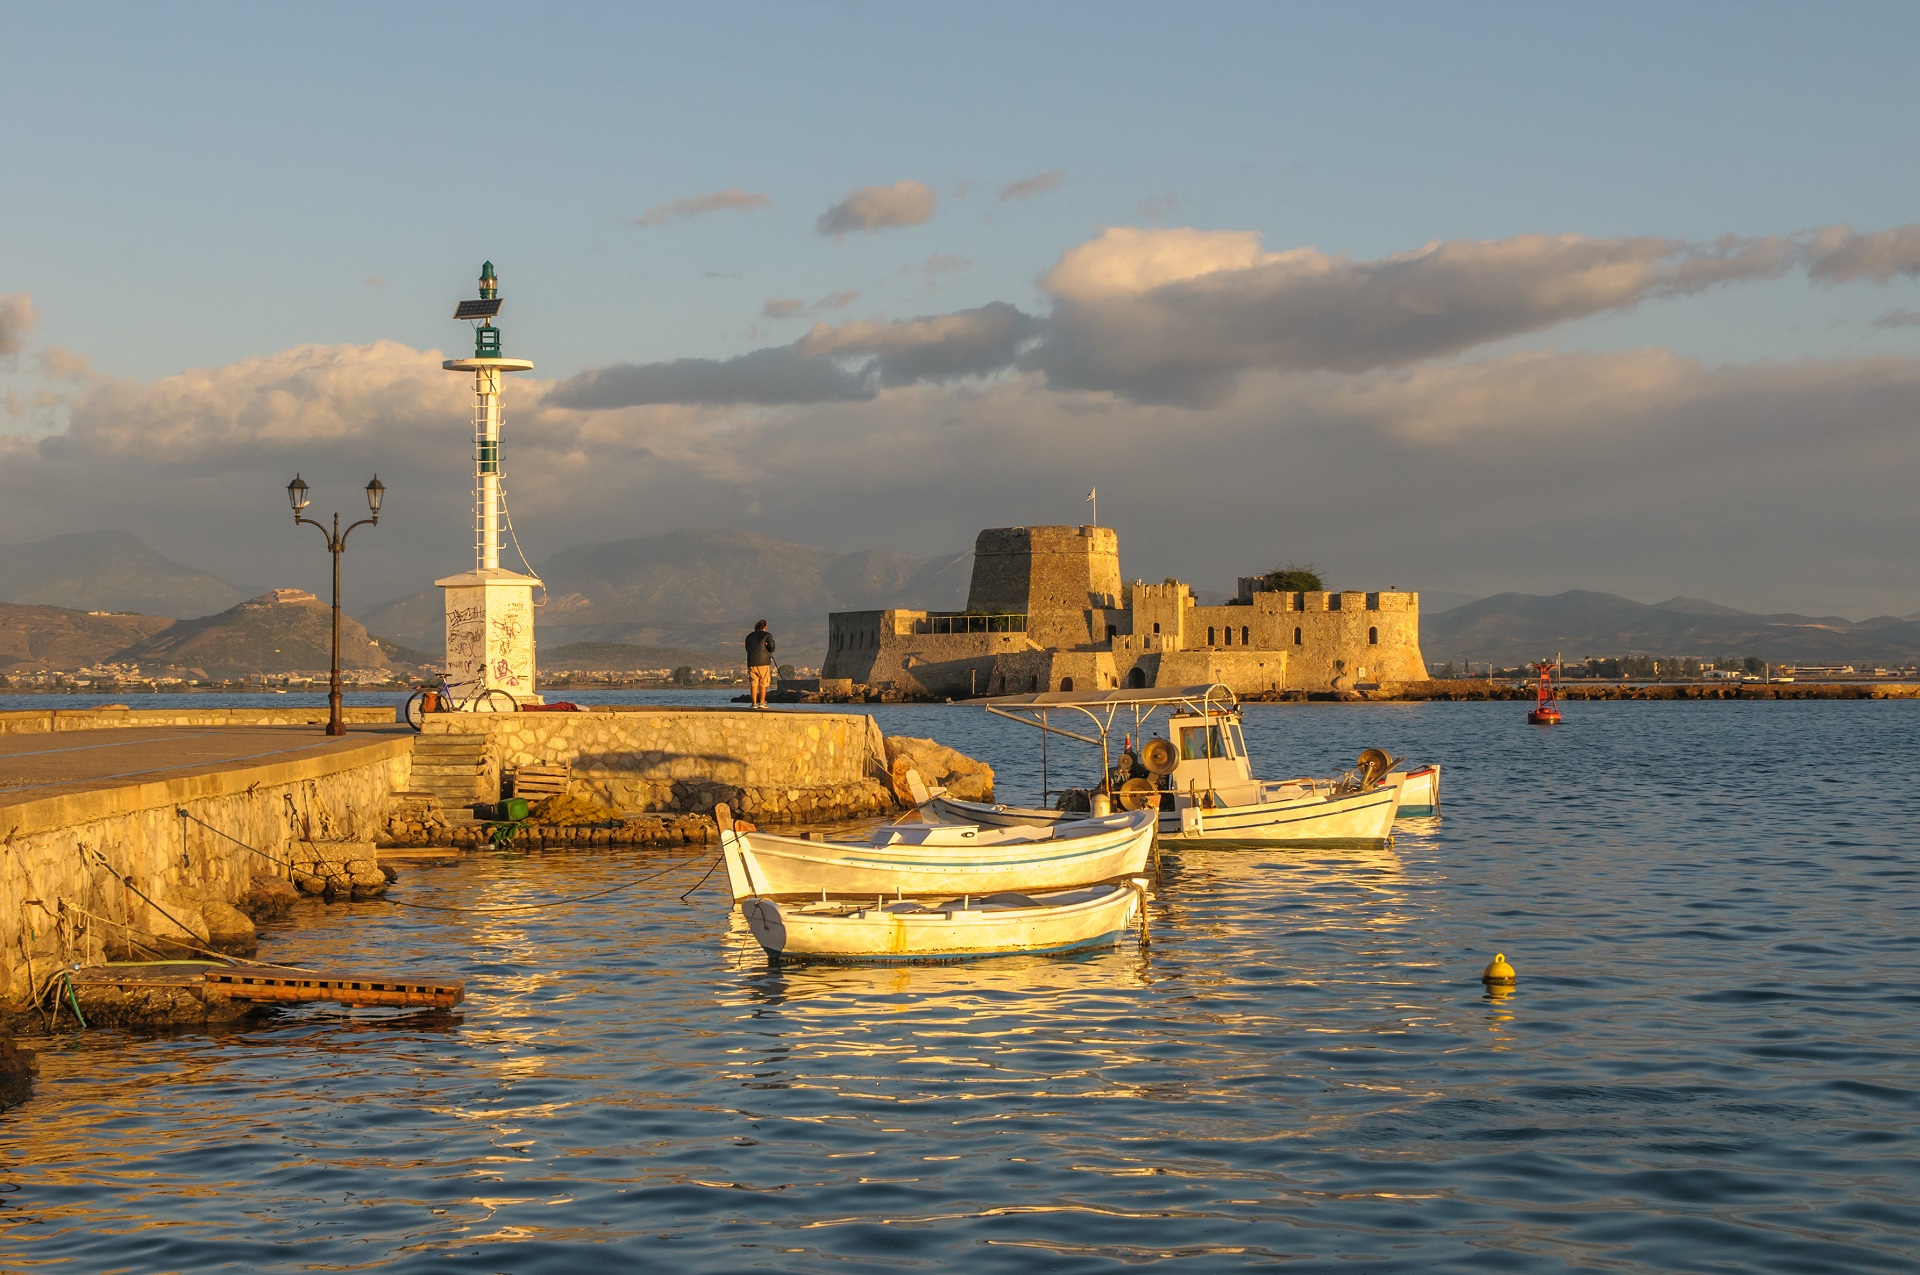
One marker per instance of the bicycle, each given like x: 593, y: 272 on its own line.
x: 441, y: 699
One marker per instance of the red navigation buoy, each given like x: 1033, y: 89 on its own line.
x: 1546, y: 709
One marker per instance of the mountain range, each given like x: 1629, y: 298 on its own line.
x: 110, y: 571
x: 1512, y: 628
x: 702, y: 591
x: 687, y: 597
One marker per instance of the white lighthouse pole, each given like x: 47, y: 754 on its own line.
x: 489, y: 609
x: 486, y: 468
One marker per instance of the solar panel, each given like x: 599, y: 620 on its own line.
x: 478, y: 309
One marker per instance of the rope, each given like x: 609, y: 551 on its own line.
x: 703, y: 880
x: 501, y: 487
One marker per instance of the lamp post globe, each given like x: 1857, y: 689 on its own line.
x: 297, y: 494
x: 376, y: 492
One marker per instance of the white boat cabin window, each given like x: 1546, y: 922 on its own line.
x: 1197, y: 743
x: 1239, y: 740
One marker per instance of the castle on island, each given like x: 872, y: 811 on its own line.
x: 1047, y: 611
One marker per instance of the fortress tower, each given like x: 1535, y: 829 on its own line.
x: 1052, y: 575
x: 489, y: 609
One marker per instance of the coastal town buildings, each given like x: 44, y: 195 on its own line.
x: 1048, y: 610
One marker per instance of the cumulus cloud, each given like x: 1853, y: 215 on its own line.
x: 1901, y: 318
x: 1838, y: 255
x: 782, y: 308
x: 1028, y: 187
x: 65, y: 365
x: 732, y: 199
x: 1176, y: 315
x: 17, y: 318
x: 872, y: 208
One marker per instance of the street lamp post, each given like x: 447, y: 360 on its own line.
x: 336, y: 541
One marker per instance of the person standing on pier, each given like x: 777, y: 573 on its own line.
x: 759, y: 664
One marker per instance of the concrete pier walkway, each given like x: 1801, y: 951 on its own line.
x: 36, y: 767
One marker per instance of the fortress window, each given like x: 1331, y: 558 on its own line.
x: 1066, y: 683
x: 1229, y: 635
x: 1137, y: 677
x: 1156, y: 628
x: 1373, y: 637
x: 1113, y: 631
x: 1243, y: 636
x: 1296, y: 637
x: 1210, y: 638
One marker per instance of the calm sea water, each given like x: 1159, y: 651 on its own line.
x: 1711, y: 1062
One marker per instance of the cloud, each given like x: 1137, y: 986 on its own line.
x: 1898, y: 319
x: 17, y: 318
x: 65, y: 365
x: 780, y: 374
x: 1841, y: 256
x: 977, y: 342
x: 1176, y: 315
x: 943, y: 263
x: 1533, y: 471
x: 829, y: 364
x: 732, y: 199
x: 780, y: 308
x: 872, y: 208
x: 373, y: 281
x: 1028, y: 187
x: 1159, y: 207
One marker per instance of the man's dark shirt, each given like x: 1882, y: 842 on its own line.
x: 759, y: 648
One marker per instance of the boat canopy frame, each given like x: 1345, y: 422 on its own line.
x: 1100, y: 708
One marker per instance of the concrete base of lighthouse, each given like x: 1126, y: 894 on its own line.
x: 490, y: 632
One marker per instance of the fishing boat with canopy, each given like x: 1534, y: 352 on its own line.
x: 1196, y: 777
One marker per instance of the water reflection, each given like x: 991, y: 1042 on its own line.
x: 1707, y: 1063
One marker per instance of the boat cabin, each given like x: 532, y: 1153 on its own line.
x: 1211, y: 758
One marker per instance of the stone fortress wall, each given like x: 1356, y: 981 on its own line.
x: 1047, y: 610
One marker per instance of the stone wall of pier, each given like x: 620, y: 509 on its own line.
x: 771, y: 767
x: 74, y: 868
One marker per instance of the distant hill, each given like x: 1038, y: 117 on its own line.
x: 35, y: 638
x: 108, y: 571
x: 1515, y: 627
x: 286, y: 631
x: 618, y: 657
x: 701, y: 591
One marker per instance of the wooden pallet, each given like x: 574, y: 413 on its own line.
x: 267, y: 983
x: 536, y: 782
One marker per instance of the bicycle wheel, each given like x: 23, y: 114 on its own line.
x: 416, y: 711
x: 494, y: 701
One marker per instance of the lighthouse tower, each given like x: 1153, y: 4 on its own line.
x: 489, y: 609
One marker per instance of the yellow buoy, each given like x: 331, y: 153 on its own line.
x: 1499, y: 973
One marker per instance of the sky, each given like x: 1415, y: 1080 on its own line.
x: 1462, y: 298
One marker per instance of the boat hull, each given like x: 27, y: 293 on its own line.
x: 1090, y: 917
x: 1067, y: 853
x: 1420, y: 793
x: 1364, y: 818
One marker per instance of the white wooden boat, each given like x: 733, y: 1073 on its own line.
x: 960, y: 928
x: 1201, y: 786
x: 1419, y: 791
x: 1293, y: 813
x: 946, y: 858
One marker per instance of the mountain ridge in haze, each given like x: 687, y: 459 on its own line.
x: 702, y: 590
x: 109, y: 571
x: 1513, y: 628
